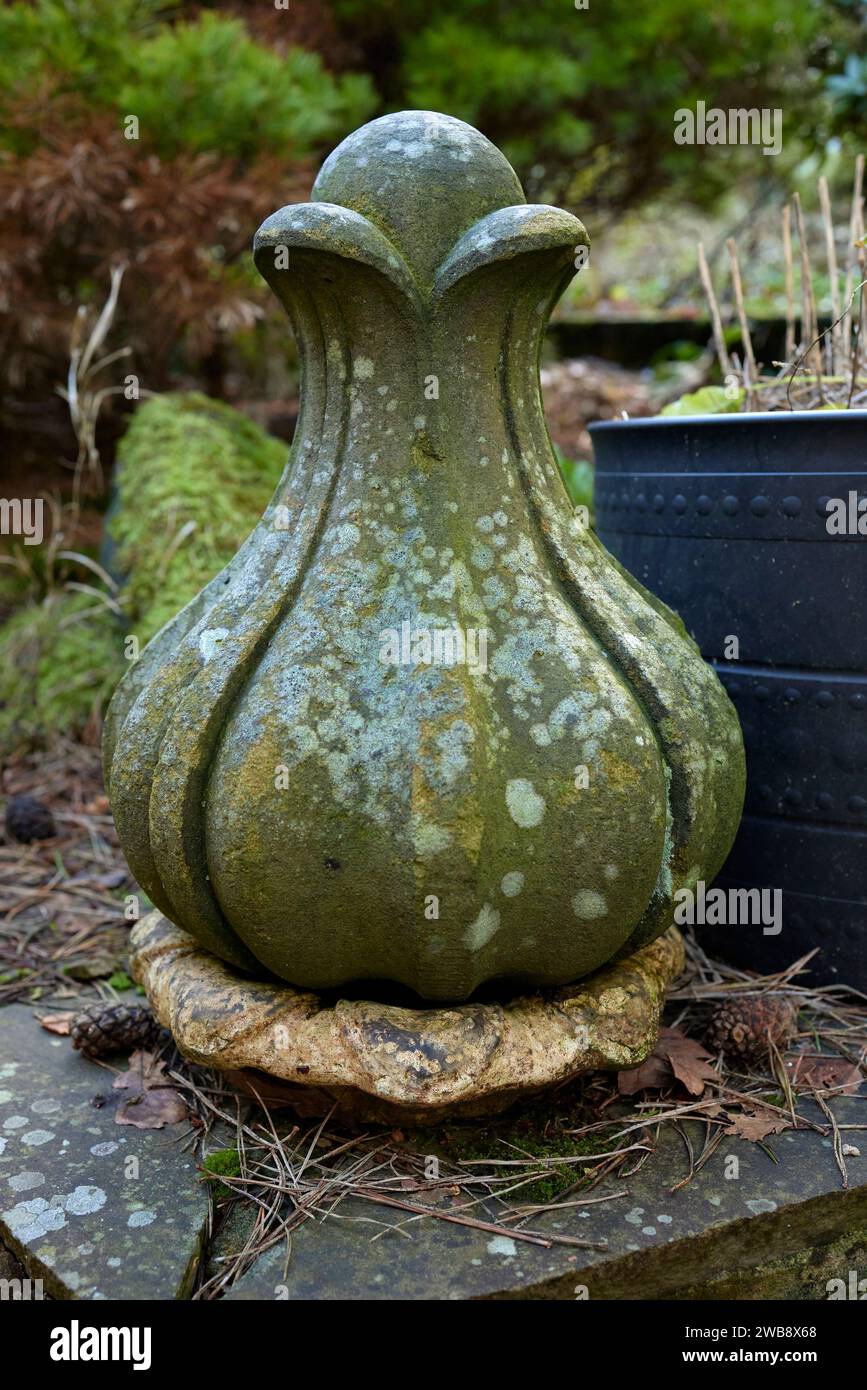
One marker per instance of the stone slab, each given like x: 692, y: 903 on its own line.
x: 779, y: 1230
x: 67, y: 1208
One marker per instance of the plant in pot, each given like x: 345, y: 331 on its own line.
x: 744, y: 507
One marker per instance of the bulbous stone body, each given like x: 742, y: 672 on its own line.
x: 423, y: 728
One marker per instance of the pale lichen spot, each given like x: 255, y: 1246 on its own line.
x: 526, y: 806
x: 511, y: 884
x: 344, y: 538
x: 362, y: 368
x: 37, y: 1137
x: 429, y: 839
x: 141, y: 1218
x: 33, y: 1219
x: 589, y: 905
x: 479, y: 933
x: 25, y: 1182
x: 84, y: 1200
x: 209, y: 641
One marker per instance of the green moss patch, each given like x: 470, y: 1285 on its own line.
x: 221, y: 1163
x: 540, y: 1132
x: 193, y: 477
x: 59, y: 661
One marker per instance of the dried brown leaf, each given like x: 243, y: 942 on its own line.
x: 152, y: 1109
x: 757, y: 1126
x: 690, y: 1060
x: 145, y: 1070
x: 58, y: 1023
x: 674, y: 1058
x: 151, y: 1103
x: 654, y: 1074
x: 824, y: 1074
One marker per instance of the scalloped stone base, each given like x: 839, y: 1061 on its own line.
x: 389, y: 1064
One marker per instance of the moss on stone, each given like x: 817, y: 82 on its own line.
x: 193, y: 477
x: 541, y: 1131
x: 221, y: 1163
x: 59, y: 661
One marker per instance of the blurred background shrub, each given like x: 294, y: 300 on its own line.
x: 235, y: 105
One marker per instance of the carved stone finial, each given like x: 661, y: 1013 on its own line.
x: 422, y: 728
x: 422, y: 179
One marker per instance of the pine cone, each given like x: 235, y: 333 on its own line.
x: 28, y: 819
x: 744, y: 1026
x: 107, y: 1028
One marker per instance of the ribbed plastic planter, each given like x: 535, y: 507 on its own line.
x: 726, y: 519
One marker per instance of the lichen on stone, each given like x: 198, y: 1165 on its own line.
x: 591, y: 737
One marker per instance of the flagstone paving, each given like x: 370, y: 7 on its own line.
x: 94, y: 1209
x: 101, y: 1211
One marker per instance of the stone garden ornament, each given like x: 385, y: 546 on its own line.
x: 423, y: 730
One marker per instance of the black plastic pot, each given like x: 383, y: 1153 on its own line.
x: 725, y: 518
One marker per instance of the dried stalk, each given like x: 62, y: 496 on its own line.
x: 81, y: 394
x: 851, y: 256
x: 716, y: 320
x: 809, y: 323
x: 822, y: 367
x: 835, y: 338
x: 790, y: 291
x: 750, y: 363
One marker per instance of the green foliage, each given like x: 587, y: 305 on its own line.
x: 193, y: 477
x: 208, y: 86
x: 578, y: 477
x: 848, y: 87
x: 69, y: 46
x: 203, y: 85
x: 709, y: 400
x: 583, y: 100
x: 59, y: 661
x: 221, y: 1163
x: 474, y: 74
